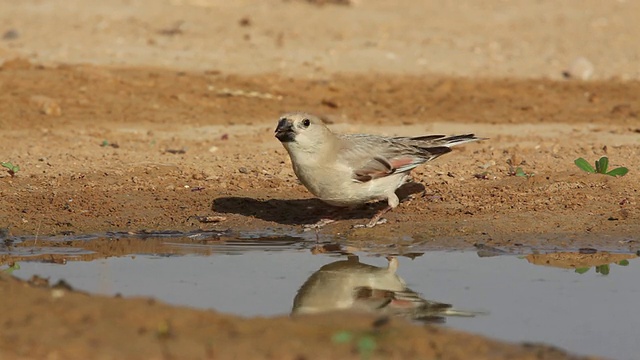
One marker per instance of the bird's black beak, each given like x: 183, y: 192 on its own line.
x: 284, y: 130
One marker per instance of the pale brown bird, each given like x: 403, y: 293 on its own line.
x: 349, y: 285
x: 352, y: 169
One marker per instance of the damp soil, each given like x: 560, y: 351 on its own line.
x: 148, y: 150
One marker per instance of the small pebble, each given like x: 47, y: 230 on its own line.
x: 580, y: 68
x: 46, y: 105
x: 57, y: 293
x: 10, y: 34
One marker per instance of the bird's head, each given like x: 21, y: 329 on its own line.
x: 304, y: 132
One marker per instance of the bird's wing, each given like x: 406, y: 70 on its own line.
x: 405, y: 300
x: 373, y: 157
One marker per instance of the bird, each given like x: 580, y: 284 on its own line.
x: 349, y: 285
x: 349, y: 170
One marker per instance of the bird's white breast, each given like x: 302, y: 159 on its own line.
x: 335, y: 184
x: 332, y: 181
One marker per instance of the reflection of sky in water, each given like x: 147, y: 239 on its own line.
x: 588, y: 313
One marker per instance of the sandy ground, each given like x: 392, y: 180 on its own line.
x: 145, y: 115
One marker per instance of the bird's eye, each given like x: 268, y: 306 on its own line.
x: 306, y: 122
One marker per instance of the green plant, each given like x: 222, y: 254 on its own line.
x: 106, y: 143
x: 164, y: 330
x: 12, y: 169
x: 601, y: 269
x: 12, y: 267
x: 365, y: 343
x: 601, y: 167
x: 515, y: 170
x: 519, y: 172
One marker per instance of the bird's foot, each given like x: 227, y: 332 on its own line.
x: 321, y: 223
x: 371, y: 223
x: 376, y: 219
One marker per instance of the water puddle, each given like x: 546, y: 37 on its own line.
x: 584, y: 302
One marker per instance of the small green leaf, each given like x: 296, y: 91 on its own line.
x: 602, y: 164
x: 520, y: 172
x: 11, y: 269
x: 366, y: 345
x: 623, y: 262
x: 584, y: 165
x: 603, y: 269
x: 582, y: 270
x: 163, y: 330
x: 342, y: 337
x: 621, y: 171
x: 13, y: 169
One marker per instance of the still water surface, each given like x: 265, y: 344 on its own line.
x: 587, y: 313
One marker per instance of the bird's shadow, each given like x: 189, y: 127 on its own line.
x: 302, y: 211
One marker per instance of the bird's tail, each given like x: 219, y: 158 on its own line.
x: 411, y: 301
x: 463, y: 313
x: 438, y: 315
x: 443, y: 140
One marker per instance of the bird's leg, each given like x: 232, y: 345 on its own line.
x: 393, y: 264
x: 377, y: 218
x: 332, y: 216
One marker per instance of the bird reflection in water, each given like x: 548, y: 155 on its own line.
x: 354, y: 286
